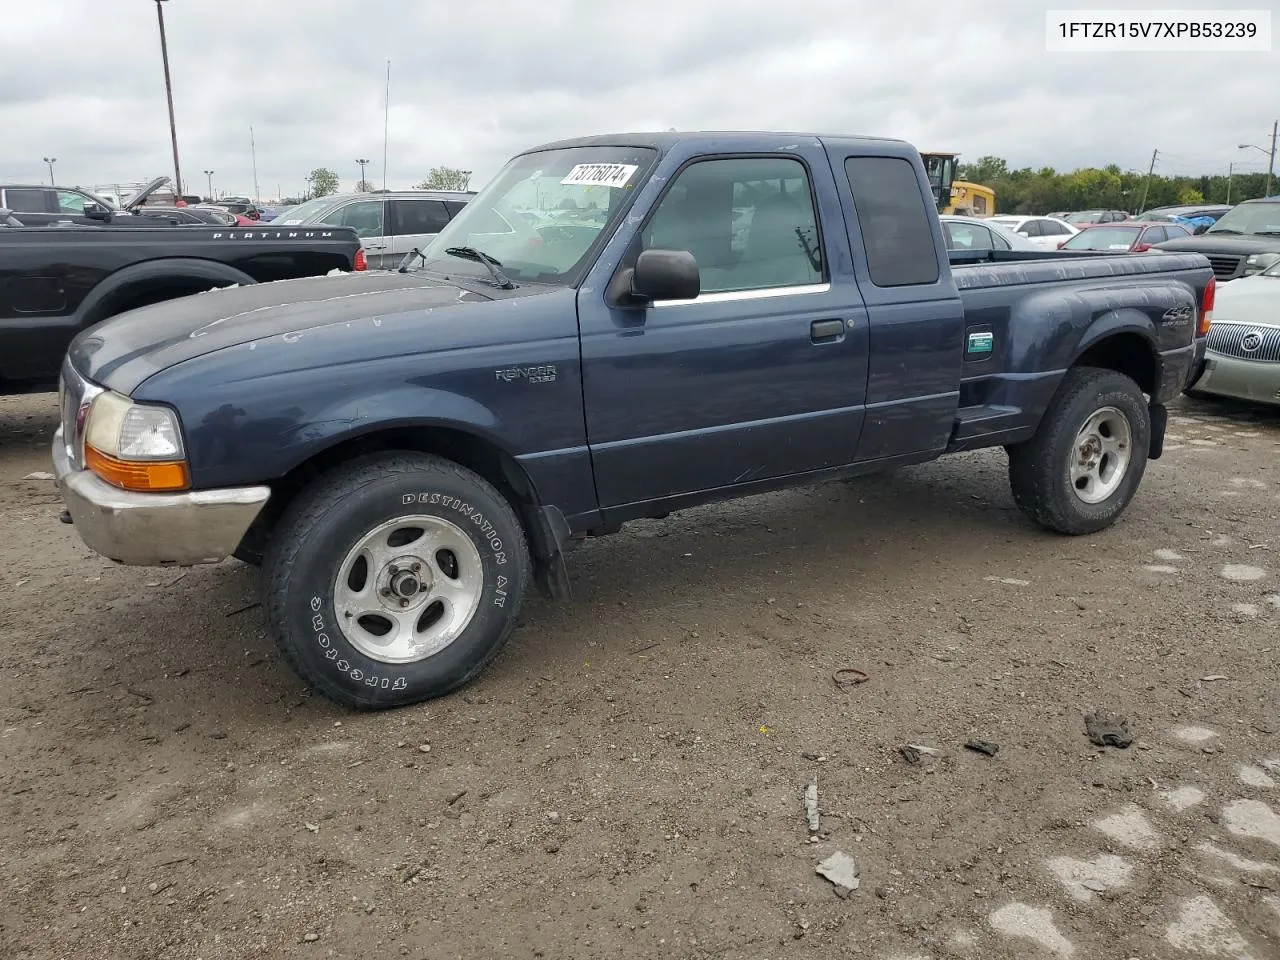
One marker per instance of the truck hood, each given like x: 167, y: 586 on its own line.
x: 123, y: 351
x: 1242, y: 244
x: 139, y: 198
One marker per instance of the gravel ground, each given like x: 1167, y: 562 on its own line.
x: 628, y: 778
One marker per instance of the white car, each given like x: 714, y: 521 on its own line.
x: 973, y: 233
x: 1045, y: 232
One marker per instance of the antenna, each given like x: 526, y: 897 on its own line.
x: 386, y: 119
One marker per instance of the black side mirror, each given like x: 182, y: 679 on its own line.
x: 95, y: 211
x: 665, y: 275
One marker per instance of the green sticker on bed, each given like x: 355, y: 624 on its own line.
x: 981, y: 342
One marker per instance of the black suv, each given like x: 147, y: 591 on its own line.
x: 37, y: 206
x: 1245, y: 240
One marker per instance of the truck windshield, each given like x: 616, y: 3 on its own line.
x: 1249, y: 218
x: 543, y: 214
x: 305, y: 211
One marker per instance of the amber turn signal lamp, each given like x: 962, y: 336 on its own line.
x: 141, y: 475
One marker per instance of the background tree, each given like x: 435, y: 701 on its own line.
x: 446, y: 178
x: 364, y: 186
x: 323, y: 182
x: 1028, y: 191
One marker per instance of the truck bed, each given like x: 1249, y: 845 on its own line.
x: 1000, y: 403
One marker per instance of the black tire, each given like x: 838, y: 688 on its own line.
x: 322, y: 525
x: 1039, y: 469
x: 250, y: 555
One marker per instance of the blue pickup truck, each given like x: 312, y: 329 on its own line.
x: 614, y: 328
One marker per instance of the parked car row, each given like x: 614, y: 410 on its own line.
x: 1046, y: 233
x: 1134, y: 236
x: 977, y: 233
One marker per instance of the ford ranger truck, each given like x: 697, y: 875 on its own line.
x: 406, y: 454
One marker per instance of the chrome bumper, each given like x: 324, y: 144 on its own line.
x: 154, y: 529
x: 1240, y: 379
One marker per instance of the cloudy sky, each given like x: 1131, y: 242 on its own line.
x: 471, y: 83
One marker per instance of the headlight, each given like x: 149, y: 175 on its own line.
x: 135, y: 446
x: 1257, y: 262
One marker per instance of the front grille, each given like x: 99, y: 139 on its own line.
x: 1228, y: 339
x: 1225, y: 267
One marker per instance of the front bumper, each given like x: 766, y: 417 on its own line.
x: 1241, y: 379
x: 155, y: 529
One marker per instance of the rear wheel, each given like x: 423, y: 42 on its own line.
x: 394, y: 579
x: 1084, y: 464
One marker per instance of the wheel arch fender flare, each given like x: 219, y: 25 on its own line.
x: 1113, y: 323
x: 463, y: 432
x: 98, y: 304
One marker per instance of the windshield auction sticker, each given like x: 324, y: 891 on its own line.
x: 600, y: 174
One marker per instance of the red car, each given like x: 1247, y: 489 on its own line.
x: 1132, y: 236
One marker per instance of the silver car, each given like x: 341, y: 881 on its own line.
x: 389, y: 224
x: 972, y: 233
x: 1243, y: 355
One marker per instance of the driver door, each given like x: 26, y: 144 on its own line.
x: 763, y: 375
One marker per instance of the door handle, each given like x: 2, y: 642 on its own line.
x: 825, y: 330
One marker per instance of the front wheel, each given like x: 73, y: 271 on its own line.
x: 1084, y: 464
x: 394, y: 579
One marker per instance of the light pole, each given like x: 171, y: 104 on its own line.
x: 209, y: 174
x: 466, y: 180
x: 51, y: 161
x: 168, y: 91
x: 1270, y: 154
x: 364, y: 184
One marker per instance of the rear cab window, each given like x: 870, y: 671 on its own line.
x: 897, y: 233
x: 29, y: 200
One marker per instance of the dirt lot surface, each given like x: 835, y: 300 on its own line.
x: 627, y: 780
